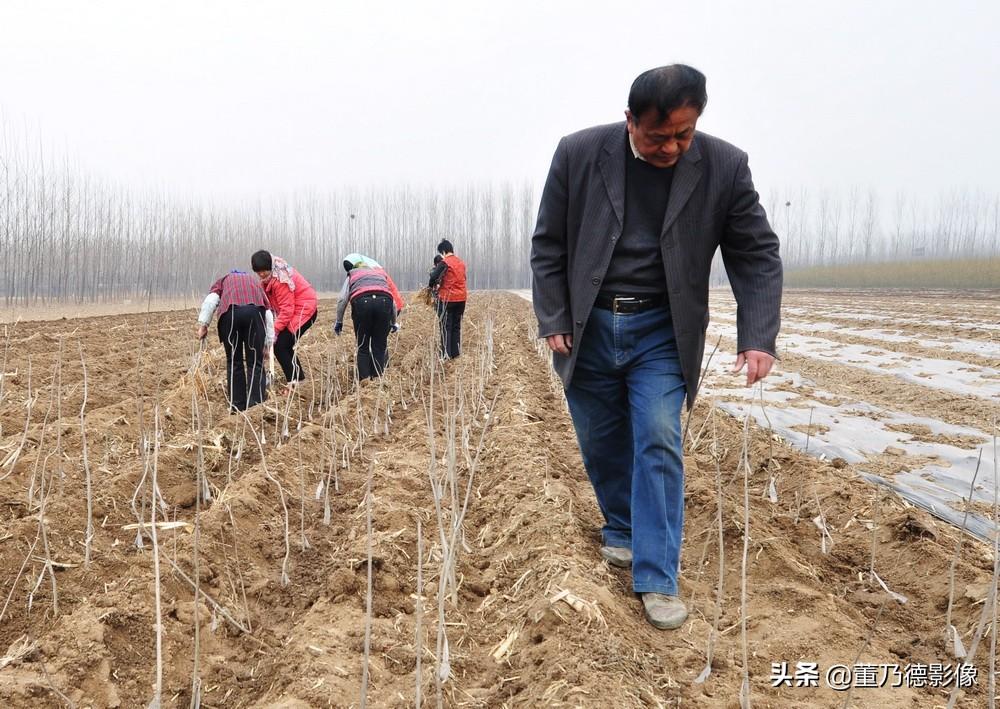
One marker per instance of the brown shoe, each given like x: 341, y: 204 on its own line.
x: 663, y: 611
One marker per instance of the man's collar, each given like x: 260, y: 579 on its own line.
x: 635, y: 153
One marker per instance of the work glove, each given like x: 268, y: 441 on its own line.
x: 337, y: 328
x: 395, y: 327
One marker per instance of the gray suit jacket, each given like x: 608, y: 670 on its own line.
x: 712, y: 205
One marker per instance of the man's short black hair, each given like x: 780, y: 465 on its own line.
x: 445, y: 247
x: 261, y: 261
x: 666, y: 89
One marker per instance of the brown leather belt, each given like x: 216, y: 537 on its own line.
x: 624, y: 304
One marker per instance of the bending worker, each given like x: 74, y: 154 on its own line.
x: 246, y: 330
x: 294, y: 300
x: 375, y: 303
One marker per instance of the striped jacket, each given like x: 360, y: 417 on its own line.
x: 367, y: 280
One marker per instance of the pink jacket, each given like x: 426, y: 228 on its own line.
x: 292, y: 308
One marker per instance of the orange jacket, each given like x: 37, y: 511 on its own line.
x: 453, y: 288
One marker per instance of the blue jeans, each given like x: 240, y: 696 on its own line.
x: 625, y: 399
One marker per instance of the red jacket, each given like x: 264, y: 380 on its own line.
x: 453, y: 288
x: 292, y: 308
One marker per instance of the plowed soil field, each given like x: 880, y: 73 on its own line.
x: 432, y: 537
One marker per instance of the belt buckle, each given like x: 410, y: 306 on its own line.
x: 617, y: 299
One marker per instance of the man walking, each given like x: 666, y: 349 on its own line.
x: 630, y: 218
x: 449, y: 278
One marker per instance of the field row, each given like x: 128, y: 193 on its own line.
x: 911, y: 395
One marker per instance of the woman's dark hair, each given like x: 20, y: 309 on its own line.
x: 666, y: 89
x: 261, y: 261
x: 445, y: 247
x: 438, y: 259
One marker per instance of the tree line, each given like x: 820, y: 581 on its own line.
x: 828, y: 227
x: 67, y: 234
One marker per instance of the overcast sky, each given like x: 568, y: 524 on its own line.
x: 239, y: 99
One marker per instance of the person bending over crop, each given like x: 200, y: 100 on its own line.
x: 375, y: 303
x: 294, y: 301
x: 435, y: 275
x: 246, y: 330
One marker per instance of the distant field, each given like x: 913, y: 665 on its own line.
x: 57, y: 310
x: 964, y: 273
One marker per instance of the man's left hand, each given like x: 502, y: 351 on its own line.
x: 758, y: 365
x: 202, y: 331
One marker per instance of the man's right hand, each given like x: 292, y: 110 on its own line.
x: 560, y: 343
